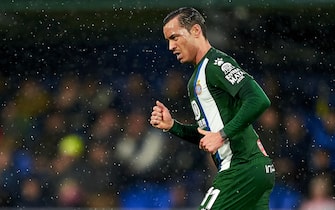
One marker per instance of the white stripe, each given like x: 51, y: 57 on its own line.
x: 207, y: 102
x: 212, y: 114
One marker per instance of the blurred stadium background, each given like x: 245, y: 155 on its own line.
x: 78, y: 80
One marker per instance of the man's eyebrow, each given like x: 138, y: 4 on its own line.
x: 172, y: 36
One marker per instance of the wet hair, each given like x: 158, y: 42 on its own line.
x: 187, y: 17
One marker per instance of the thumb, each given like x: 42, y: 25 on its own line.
x: 160, y: 105
x: 203, y: 132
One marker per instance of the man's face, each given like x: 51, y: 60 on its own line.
x: 181, y: 41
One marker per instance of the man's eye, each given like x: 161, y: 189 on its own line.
x: 173, y: 37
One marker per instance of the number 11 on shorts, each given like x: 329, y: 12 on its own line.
x: 209, y: 198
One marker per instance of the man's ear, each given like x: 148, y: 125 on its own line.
x: 196, y: 30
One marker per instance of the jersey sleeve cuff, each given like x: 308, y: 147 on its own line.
x: 175, y: 129
x: 223, y: 134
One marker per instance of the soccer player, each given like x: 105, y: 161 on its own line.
x: 225, y: 100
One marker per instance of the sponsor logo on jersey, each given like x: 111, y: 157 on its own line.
x: 197, y: 114
x: 202, y: 123
x: 233, y: 74
x: 196, y: 110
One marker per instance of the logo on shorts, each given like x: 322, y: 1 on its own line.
x: 269, y: 169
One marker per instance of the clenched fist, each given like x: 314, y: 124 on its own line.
x: 161, y: 117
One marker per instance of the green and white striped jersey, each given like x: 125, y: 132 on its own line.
x: 216, y: 98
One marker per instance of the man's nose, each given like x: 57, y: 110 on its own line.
x: 172, y: 46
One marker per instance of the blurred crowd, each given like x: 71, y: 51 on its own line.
x: 84, y: 143
x: 300, y: 139
x: 81, y: 138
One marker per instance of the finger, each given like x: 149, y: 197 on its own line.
x: 203, y: 132
x: 156, y: 114
x: 157, y: 109
x: 201, y: 145
x: 154, y: 118
x: 154, y: 123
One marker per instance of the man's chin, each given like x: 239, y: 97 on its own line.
x: 182, y: 61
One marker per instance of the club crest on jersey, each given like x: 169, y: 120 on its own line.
x: 198, y: 88
x: 233, y: 73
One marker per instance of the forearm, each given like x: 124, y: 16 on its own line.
x: 187, y: 132
x: 255, y: 102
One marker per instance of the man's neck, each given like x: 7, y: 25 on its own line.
x: 202, y: 51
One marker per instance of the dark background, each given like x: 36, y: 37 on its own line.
x: 114, y: 51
